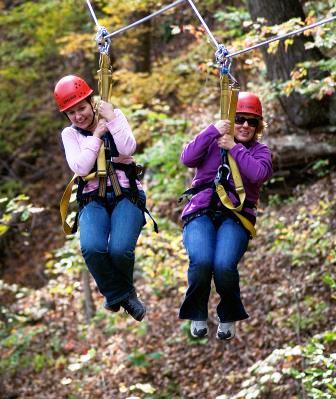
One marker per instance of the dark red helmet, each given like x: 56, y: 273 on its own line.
x: 70, y: 90
x: 249, y: 103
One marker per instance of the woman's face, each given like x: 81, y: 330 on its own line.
x: 81, y: 114
x: 245, y: 127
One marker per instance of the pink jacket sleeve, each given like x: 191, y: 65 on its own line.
x: 81, y: 152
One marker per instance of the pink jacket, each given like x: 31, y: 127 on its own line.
x: 81, y: 151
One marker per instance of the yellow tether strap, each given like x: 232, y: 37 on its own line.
x: 65, y: 200
x: 228, y: 106
x: 105, y: 88
x: 64, y: 205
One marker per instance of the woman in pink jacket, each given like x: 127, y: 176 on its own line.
x: 110, y: 225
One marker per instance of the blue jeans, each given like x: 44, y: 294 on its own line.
x: 108, y: 238
x: 214, y: 249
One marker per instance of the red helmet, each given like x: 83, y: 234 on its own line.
x: 70, y: 90
x: 249, y: 103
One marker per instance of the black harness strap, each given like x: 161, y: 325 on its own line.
x: 131, y: 171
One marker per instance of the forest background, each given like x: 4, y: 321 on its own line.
x: 56, y: 341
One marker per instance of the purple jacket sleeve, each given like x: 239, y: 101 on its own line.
x: 195, y: 151
x: 254, y: 164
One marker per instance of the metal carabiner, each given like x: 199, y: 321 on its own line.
x: 228, y: 170
x: 103, y: 42
x: 220, y: 172
x: 221, y: 53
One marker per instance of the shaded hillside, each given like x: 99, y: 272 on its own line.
x: 288, y: 285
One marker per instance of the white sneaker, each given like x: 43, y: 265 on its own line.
x: 198, y: 329
x: 226, y: 331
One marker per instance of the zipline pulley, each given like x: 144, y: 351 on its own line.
x: 102, y: 40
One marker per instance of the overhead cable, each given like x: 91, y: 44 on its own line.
x: 92, y: 13
x: 280, y: 37
x: 142, y: 20
x: 203, y: 23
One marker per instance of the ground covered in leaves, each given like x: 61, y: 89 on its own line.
x: 288, y: 281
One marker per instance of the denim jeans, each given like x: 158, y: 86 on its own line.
x: 214, y: 248
x: 108, y: 239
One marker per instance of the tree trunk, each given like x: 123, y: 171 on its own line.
x: 90, y: 308
x: 301, y: 110
x: 142, y: 51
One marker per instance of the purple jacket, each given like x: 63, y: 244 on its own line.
x: 254, y: 161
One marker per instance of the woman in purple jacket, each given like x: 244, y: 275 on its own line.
x: 110, y: 225
x: 213, y: 236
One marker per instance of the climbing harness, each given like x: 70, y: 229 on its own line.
x: 229, y: 90
x: 104, y: 168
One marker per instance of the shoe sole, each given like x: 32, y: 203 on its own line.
x: 199, y: 336
x: 137, y: 317
x: 112, y: 308
x: 224, y: 339
x: 142, y: 317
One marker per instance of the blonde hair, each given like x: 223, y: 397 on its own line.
x: 262, y: 125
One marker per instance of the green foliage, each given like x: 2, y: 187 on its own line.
x: 161, y: 261
x: 29, y: 51
x: 310, y: 364
x: 15, y: 211
x: 139, y: 358
x: 319, y: 375
x: 309, y: 78
x: 16, y: 350
x: 234, y: 19
x: 162, y: 161
x: 301, y: 244
x: 308, y: 320
x: 66, y: 259
x: 321, y: 167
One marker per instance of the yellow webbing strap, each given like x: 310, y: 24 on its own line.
x: 246, y: 223
x: 101, y: 162
x: 65, y: 200
x: 228, y: 106
x: 105, y: 90
x: 64, y: 205
x: 239, y: 188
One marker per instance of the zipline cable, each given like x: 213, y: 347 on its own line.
x: 140, y: 21
x: 192, y: 5
x: 92, y: 13
x: 284, y: 36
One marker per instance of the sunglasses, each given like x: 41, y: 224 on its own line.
x: 252, y: 122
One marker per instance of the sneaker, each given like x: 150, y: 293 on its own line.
x: 112, y: 308
x: 134, y: 307
x: 226, y: 331
x: 199, y: 329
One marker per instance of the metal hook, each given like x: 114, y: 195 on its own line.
x: 103, y: 42
x: 221, y: 53
x: 220, y: 172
